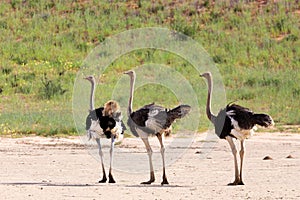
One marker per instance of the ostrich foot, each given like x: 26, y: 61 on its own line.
x: 111, y: 179
x: 147, y: 182
x: 164, y: 182
x: 241, y: 182
x: 103, y: 180
x: 236, y: 182
x: 152, y: 179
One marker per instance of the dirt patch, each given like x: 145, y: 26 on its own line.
x: 52, y: 168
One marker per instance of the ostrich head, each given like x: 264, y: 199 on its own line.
x: 206, y: 75
x: 90, y: 78
x: 131, y: 73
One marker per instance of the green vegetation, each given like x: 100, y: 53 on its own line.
x: 256, y: 47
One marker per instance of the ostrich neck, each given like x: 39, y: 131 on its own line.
x: 209, y: 114
x: 92, y: 97
x: 132, y: 81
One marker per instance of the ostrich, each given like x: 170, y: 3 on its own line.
x: 234, y: 121
x: 104, y: 121
x: 152, y: 119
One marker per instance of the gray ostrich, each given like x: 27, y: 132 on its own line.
x: 152, y: 119
x: 237, y: 122
x: 104, y: 122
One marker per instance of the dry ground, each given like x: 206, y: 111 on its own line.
x: 51, y: 168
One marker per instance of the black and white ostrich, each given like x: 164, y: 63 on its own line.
x: 152, y: 120
x: 237, y: 122
x: 104, y: 122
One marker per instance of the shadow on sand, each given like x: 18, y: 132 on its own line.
x: 155, y: 186
x: 50, y: 184
x: 45, y: 184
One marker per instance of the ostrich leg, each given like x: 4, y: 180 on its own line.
x: 162, y: 151
x: 149, y: 151
x: 111, y: 179
x: 234, y: 151
x: 102, y: 163
x: 242, y: 159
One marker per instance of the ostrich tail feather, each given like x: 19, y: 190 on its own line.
x: 263, y: 120
x: 179, y: 112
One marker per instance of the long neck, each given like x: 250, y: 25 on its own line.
x: 132, y: 81
x: 209, y: 114
x: 92, y: 97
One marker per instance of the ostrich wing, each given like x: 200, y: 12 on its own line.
x: 142, y: 115
x: 160, y: 118
x: 246, y: 119
x: 156, y: 117
x: 117, y: 116
x: 241, y: 117
x: 157, y: 120
x: 150, y: 119
x: 223, y: 124
x: 93, y: 115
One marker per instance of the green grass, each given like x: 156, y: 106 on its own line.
x: 43, y: 44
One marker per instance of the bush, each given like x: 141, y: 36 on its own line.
x: 50, y: 88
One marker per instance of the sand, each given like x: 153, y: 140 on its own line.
x: 63, y: 168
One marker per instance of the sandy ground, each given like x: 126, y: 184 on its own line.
x: 52, y: 168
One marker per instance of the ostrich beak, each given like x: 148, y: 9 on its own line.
x: 127, y: 72
x: 201, y: 75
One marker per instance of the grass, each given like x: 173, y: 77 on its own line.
x: 43, y: 44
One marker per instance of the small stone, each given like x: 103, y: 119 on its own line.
x: 268, y: 158
x: 289, y: 156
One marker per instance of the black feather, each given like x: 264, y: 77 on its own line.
x: 93, y: 115
x: 176, y: 113
x: 262, y: 120
x: 160, y: 116
x: 88, y: 122
x: 137, y: 120
x: 223, y: 125
x: 244, y: 117
x: 106, y: 123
